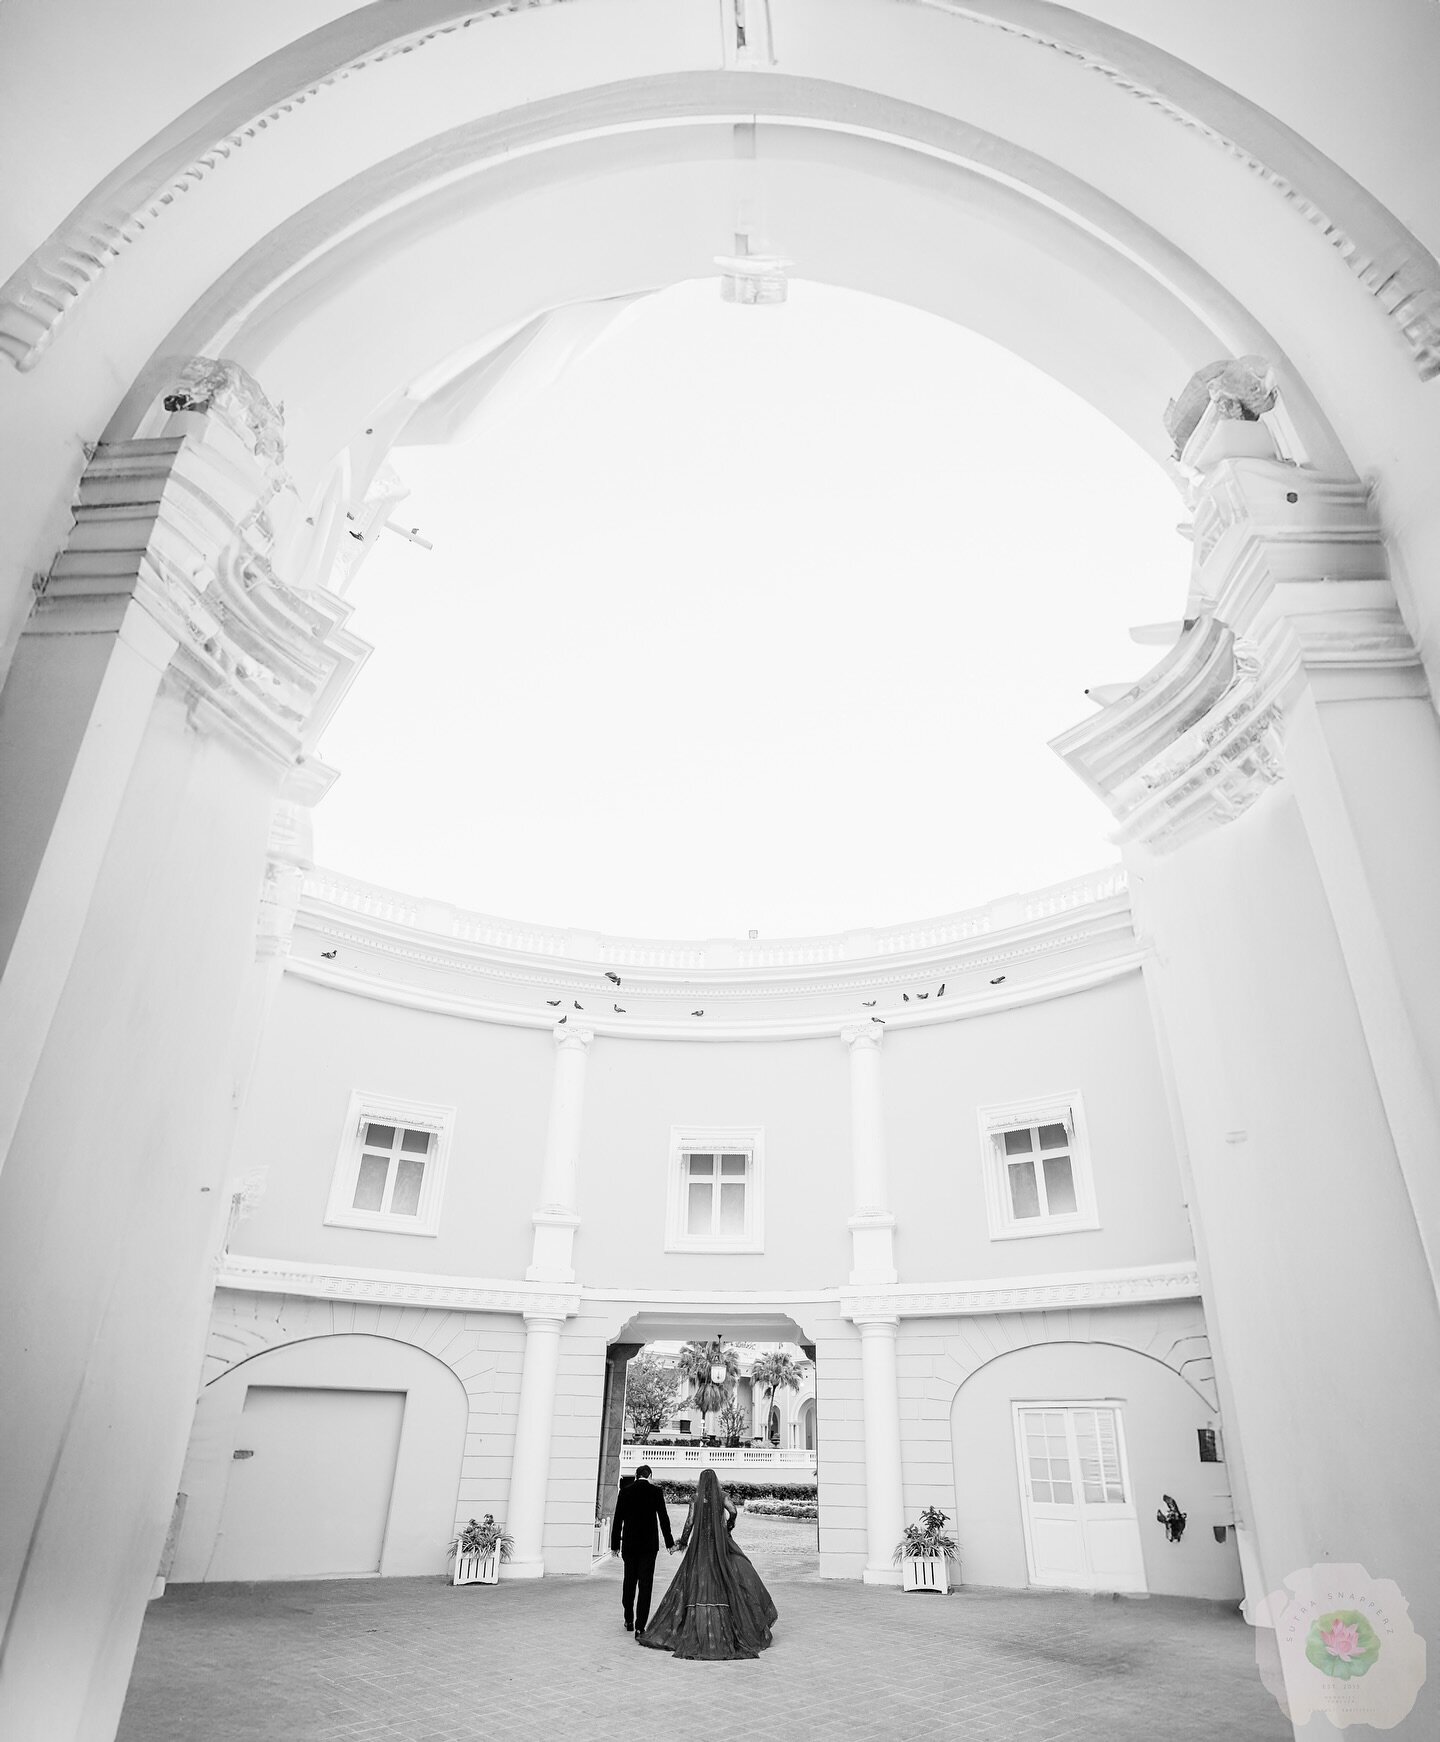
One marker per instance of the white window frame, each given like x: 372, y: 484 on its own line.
x: 716, y: 1139
x: 995, y: 1121
x: 365, y: 1109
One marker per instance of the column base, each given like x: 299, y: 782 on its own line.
x: 882, y: 1576
x: 524, y: 1570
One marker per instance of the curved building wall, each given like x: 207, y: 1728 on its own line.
x: 322, y: 1046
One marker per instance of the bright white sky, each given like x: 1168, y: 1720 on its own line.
x: 759, y: 617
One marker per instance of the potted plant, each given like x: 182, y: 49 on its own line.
x: 925, y: 1551
x: 478, y: 1551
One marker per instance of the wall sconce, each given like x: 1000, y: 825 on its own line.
x: 1172, y: 1518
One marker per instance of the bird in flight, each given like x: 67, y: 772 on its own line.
x: 905, y: 996
x: 614, y: 979
x: 997, y: 980
x: 879, y: 1019
x: 329, y: 955
x: 941, y: 992
x: 869, y: 1003
x: 553, y: 1002
x: 578, y: 1005
x: 922, y: 994
x: 619, y: 1011
x: 697, y: 1012
x: 562, y: 1019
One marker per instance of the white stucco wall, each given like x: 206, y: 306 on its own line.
x: 1160, y: 1414
x: 322, y: 1044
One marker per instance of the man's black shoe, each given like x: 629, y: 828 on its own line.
x: 629, y: 1626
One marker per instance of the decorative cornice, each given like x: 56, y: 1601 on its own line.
x: 1027, y: 1294
x: 999, y: 928
x: 326, y: 1282
x: 1389, y: 261
x: 36, y: 299
x: 639, y: 1024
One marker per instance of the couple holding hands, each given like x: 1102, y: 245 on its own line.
x: 716, y: 1606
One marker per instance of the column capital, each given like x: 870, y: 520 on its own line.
x: 877, y: 1324
x: 863, y: 1036
x: 569, y: 1039
x: 544, y: 1322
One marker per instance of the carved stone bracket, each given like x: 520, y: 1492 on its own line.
x: 178, y: 526
x: 1193, y: 744
x: 1289, y: 583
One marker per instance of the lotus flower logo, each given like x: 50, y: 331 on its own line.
x: 1342, y: 1644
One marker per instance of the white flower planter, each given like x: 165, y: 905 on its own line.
x: 925, y: 1573
x: 477, y: 1569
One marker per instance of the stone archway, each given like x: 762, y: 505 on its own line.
x: 171, y: 683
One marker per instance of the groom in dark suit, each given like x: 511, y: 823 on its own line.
x: 640, y: 1517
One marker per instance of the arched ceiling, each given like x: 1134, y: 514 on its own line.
x: 343, y: 198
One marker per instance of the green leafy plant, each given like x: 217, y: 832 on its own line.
x: 733, y: 1422
x: 482, y: 1538
x: 695, y: 1363
x: 651, y: 1387
x: 927, y: 1538
x: 739, y: 1490
x: 773, y: 1372
x: 782, y: 1508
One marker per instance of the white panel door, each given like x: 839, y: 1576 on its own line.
x: 1081, y: 1531
x: 309, y: 1489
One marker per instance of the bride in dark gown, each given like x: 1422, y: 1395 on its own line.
x: 716, y: 1606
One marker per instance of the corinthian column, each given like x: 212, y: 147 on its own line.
x: 872, y: 1227
x: 555, y: 1218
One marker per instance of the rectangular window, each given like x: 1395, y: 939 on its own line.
x: 389, y: 1172
x: 1037, y: 1176
x: 715, y: 1191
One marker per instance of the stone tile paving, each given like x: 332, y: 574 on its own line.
x: 412, y: 1660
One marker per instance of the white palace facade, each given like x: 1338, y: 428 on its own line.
x: 1145, y: 1204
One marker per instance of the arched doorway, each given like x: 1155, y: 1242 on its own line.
x: 1062, y: 1452
x: 332, y: 1456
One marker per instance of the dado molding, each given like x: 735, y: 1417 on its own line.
x: 388, y: 1287
x: 1023, y: 1294
x: 1161, y: 1282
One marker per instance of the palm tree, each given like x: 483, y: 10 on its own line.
x: 695, y: 1363
x: 774, y: 1371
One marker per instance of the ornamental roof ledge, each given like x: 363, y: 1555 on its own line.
x: 378, y: 943
x: 390, y: 910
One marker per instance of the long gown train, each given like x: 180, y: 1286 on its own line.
x: 716, y: 1606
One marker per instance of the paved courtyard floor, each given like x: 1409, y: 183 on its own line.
x: 413, y: 1660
